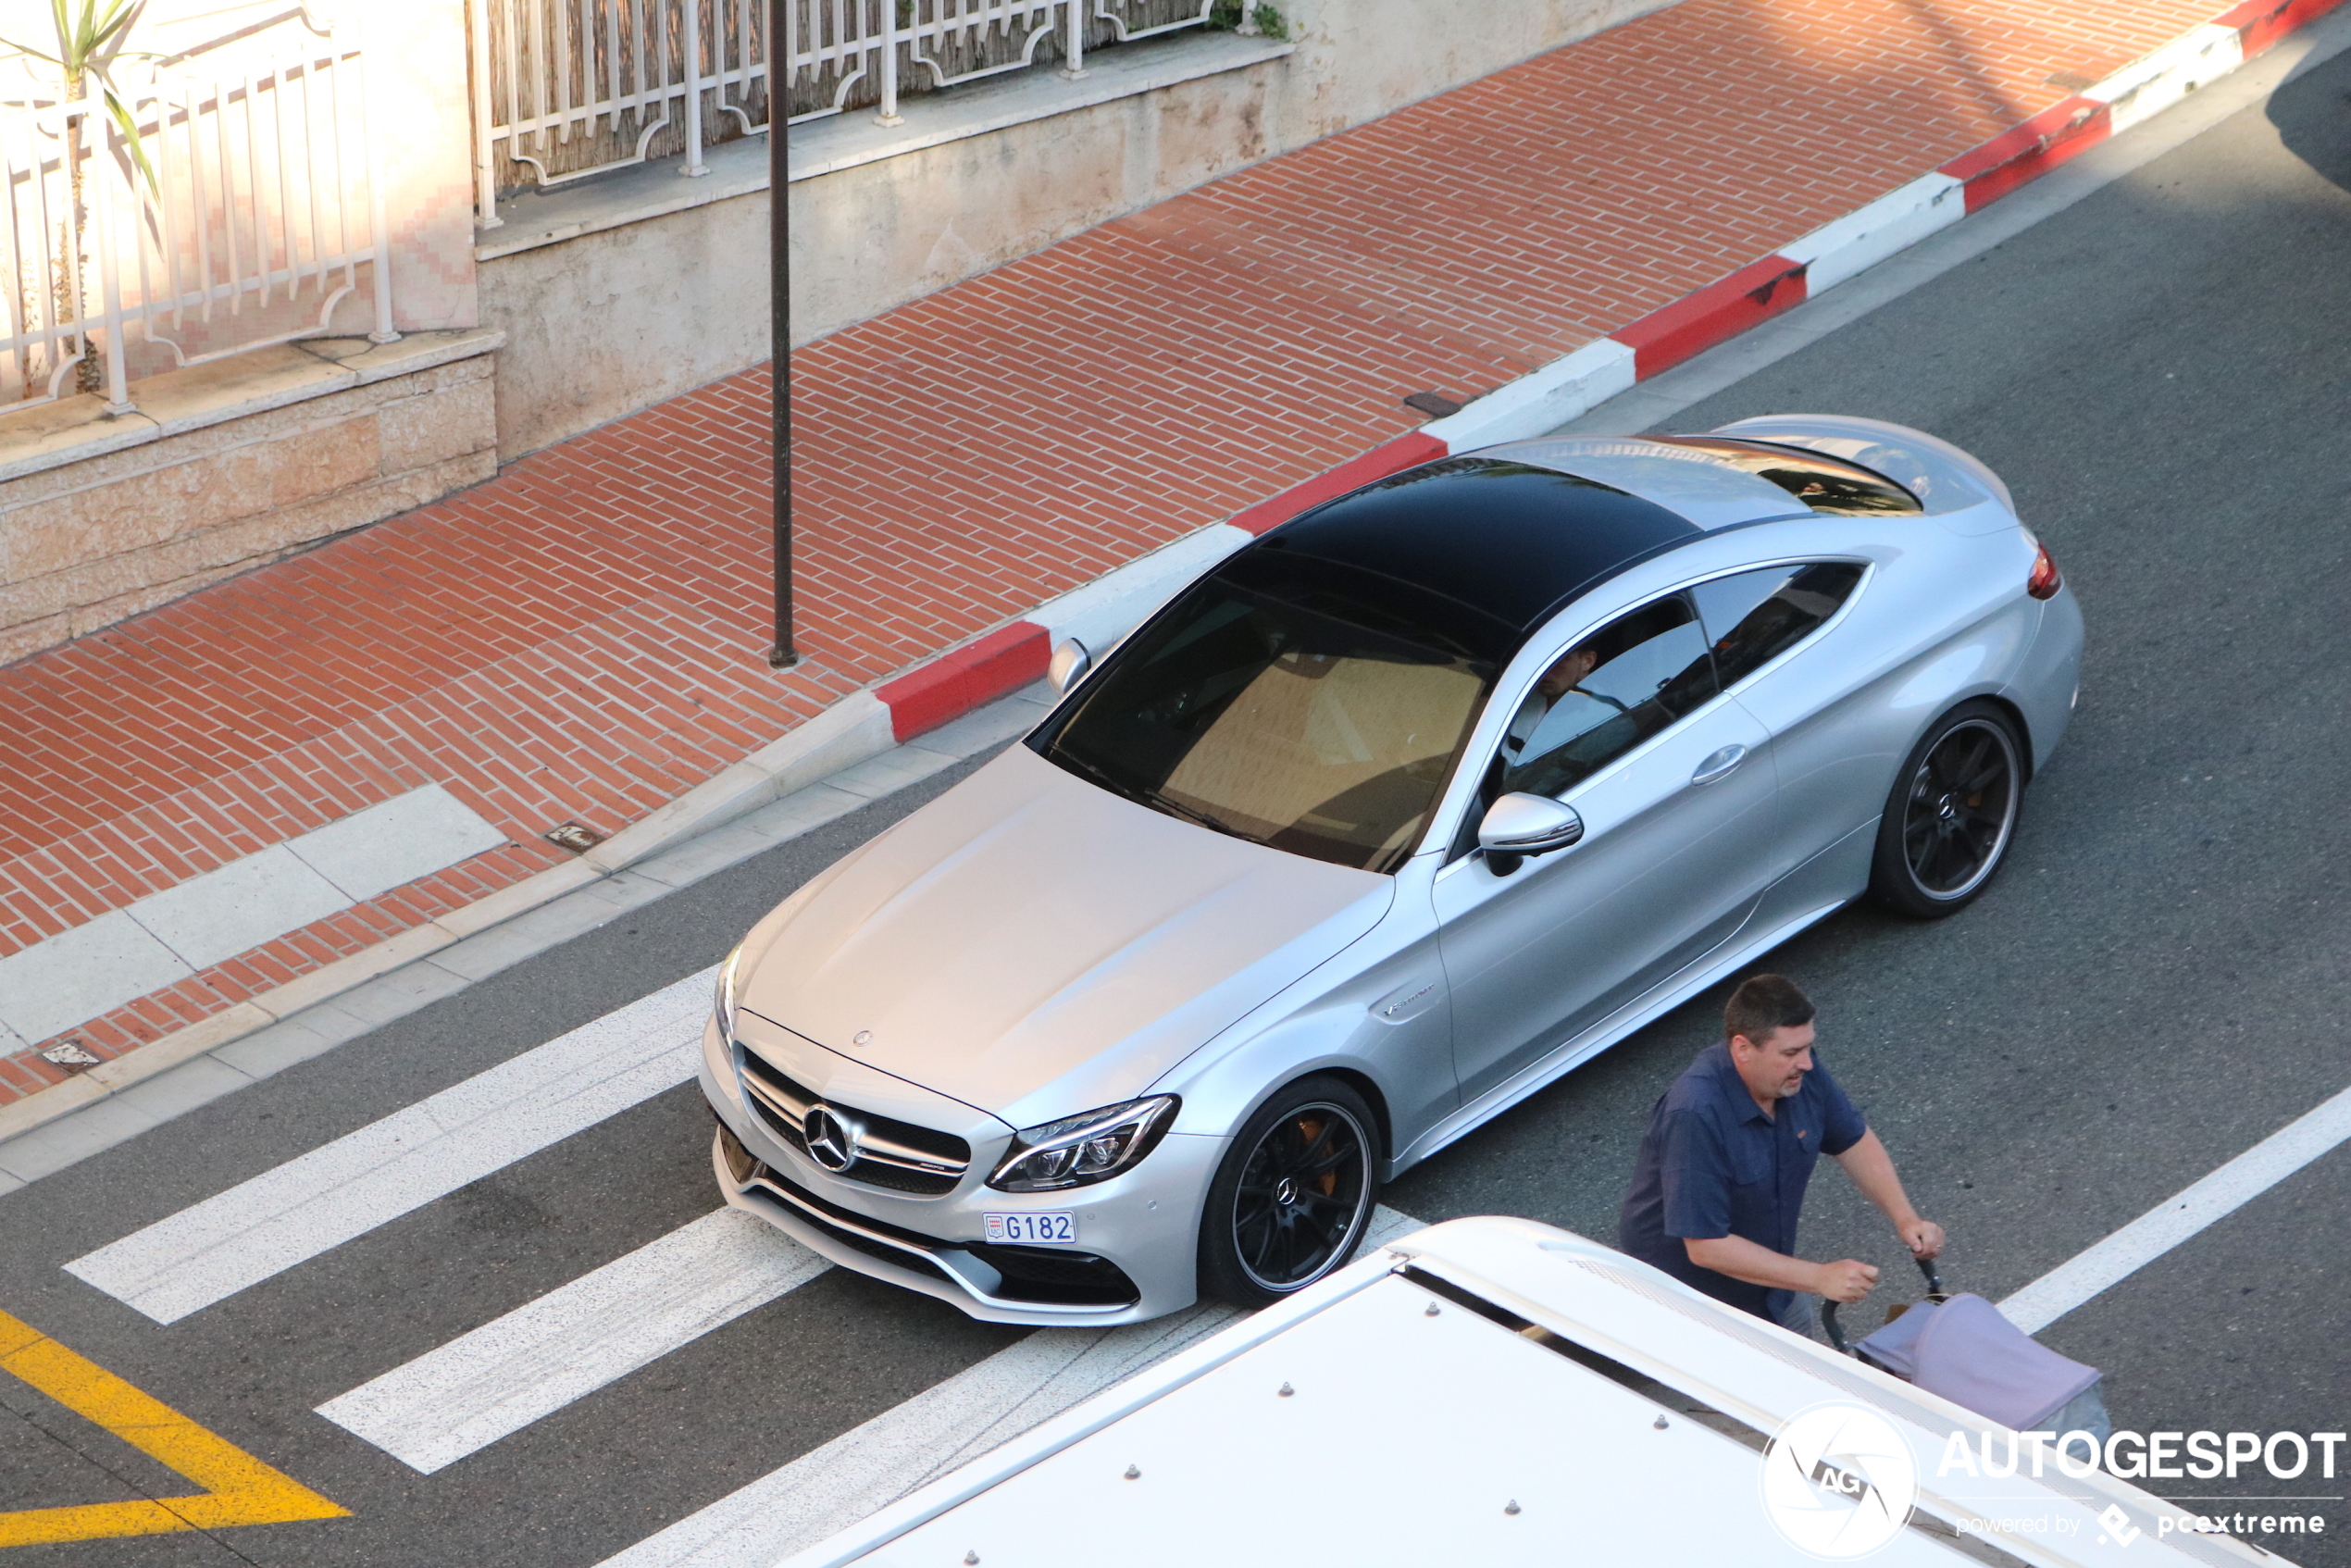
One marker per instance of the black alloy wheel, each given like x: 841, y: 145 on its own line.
x: 1952, y: 813
x: 1294, y: 1195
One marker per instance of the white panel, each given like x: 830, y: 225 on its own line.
x: 1112, y: 605
x: 570, y: 1342
x: 1540, y: 401
x: 81, y: 974
x: 292, y: 1213
x: 395, y: 843
x: 2155, y: 82
x: 1865, y: 236
x: 252, y: 900
x: 1452, y: 1439
x: 88, y: 971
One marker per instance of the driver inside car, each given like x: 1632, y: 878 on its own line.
x: 1551, y: 696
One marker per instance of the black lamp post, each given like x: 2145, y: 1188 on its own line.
x: 783, y: 654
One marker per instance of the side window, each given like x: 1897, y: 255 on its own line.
x: 1605, y: 696
x: 1754, y: 617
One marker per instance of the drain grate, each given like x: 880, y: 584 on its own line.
x: 69, y: 1054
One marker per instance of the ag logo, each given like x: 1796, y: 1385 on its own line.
x: 1839, y: 1482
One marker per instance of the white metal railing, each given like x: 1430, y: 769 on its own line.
x: 260, y: 200
x: 564, y: 89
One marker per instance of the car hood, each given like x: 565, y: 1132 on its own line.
x: 1035, y: 946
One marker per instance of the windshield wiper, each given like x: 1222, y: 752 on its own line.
x: 1192, y: 814
x: 1060, y: 757
x: 1152, y: 798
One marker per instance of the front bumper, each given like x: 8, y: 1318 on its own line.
x: 1144, y: 1224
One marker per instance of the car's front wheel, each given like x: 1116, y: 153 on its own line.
x: 1294, y: 1195
x: 1952, y: 813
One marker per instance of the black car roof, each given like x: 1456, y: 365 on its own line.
x: 1509, y: 542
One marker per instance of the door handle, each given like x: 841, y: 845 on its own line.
x: 1720, y: 765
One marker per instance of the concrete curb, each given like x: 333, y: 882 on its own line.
x: 988, y: 667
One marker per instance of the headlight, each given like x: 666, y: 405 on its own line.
x: 1076, y: 1150
x: 722, y: 1001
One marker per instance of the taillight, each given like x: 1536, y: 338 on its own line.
x: 2046, y: 578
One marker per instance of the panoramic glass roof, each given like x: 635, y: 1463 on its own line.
x: 1505, y: 541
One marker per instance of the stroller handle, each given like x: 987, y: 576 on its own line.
x: 1835, y: 1335
x: 1829, y: 1328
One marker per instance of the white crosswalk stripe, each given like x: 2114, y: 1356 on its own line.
x: 289, y: 1215
x: 869, y: 1467
x: 2309, y: 1136
x: 572, y: 1341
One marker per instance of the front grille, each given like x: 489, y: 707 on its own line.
x: 894, y: 1156
x: 896, y: 1178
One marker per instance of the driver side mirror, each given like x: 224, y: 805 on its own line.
x: 1070, y: 662
x: 1519, y: 825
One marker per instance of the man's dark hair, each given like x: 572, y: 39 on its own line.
x: 1763, y: 1003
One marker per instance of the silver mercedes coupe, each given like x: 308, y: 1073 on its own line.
x: 1398, y: 814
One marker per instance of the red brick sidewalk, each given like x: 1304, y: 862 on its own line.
x: 581, y: 636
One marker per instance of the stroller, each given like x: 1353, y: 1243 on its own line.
x: 1961, y: 1348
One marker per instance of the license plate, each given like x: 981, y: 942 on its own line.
x: 1056, y: 1229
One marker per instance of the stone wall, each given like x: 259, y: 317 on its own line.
x: 609, y: 323
x: 90, y: 540
x: 620, y: 314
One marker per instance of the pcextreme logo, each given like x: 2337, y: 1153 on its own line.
x: 1839, y: 1482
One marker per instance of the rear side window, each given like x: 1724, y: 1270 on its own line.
x: 1605, y: 696
x: 1754, y: 617
x: 1827, y: 485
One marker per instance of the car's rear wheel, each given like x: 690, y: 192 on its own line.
x: 1294, y: 1195
x: 1952, y: 813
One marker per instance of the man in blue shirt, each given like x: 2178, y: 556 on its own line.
x: 1730, y: 1147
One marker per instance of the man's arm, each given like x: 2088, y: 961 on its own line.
x: 1871, y: 1169
x: 1844, y: 1280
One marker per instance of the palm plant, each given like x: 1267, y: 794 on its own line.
x: 90, y: 39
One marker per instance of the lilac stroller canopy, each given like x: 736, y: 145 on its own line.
x: 1966, y: 1352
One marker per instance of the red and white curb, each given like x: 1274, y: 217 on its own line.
x: 1107, y: 608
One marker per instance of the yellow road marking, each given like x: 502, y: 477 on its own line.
x: 238, y: 1488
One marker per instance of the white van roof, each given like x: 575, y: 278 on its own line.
x: 1487, y: 1390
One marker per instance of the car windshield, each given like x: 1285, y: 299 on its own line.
x: 1291, y: 701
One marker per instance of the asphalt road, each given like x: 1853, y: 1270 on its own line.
x: 2155, y: 983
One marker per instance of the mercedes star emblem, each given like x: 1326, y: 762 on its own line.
x: 831, y: 1139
